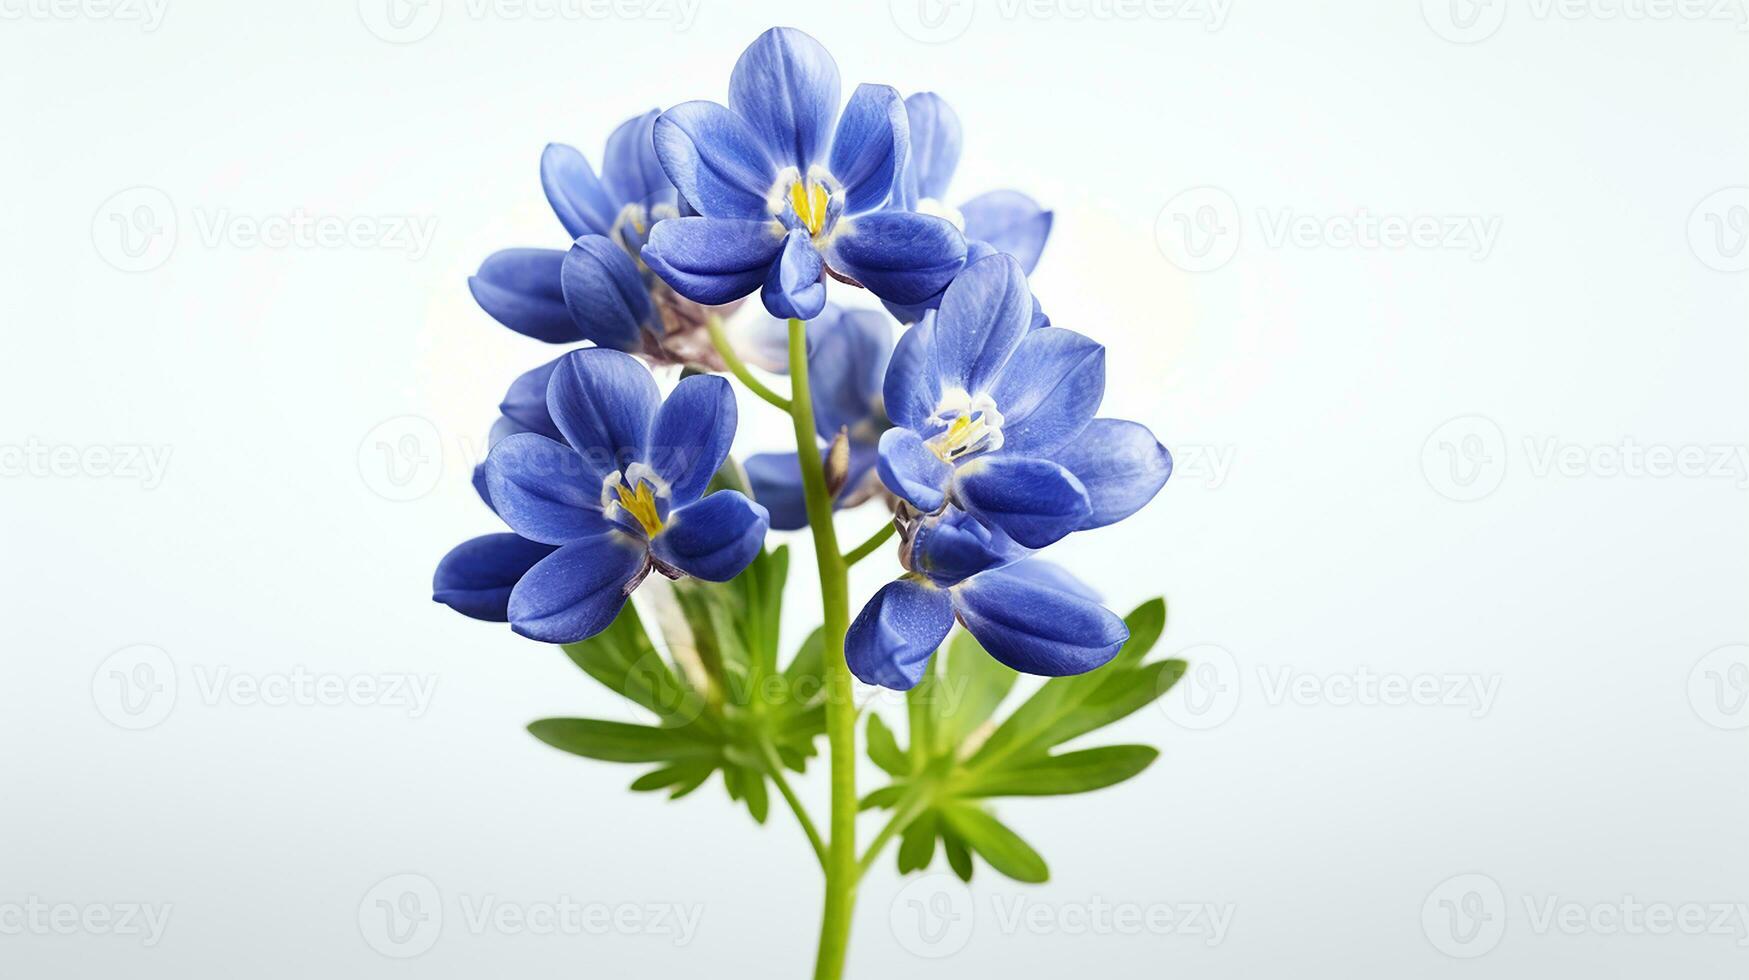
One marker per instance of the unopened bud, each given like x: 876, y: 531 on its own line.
x: 838, y: 462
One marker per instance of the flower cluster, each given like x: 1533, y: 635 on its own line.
x: 976, y: 423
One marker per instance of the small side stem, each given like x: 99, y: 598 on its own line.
x: 906, y: 811
x: 738, y: 367
x: 795, y: 802
x: 868, y: 547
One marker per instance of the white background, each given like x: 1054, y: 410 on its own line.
x: 1327, y: 545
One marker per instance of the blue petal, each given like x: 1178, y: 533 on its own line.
x: 713, y: 260
x: 1033, y: 501
x: 913, y: 471
x: 715, y: 159
x: 912, y: 389
x: 605, y: 294
x: 846, y: 365
x: 476, y: 577
x: 900, y: 256
x: 1010, y: 221
x: 869, y: 149
x: 1048, y: 390
x: 1052, y: 575
x: 578, y: 590
x: 955, y: 546
x: 1120, y: 464
x: 519, y: 287
x: 525, y: 404
x: 714, y: 538
x: 913, y: 312
x: 691, y: 435
x: 603, y: 401
x: 792, y: 284
x: 502, y: 429
x: 935, y: 144
x: 776, y: 479
x: 574, y: 192
x: 982, y: 318
x: 1039, y: 319
x: 1038, y: 628
x: 629, y: 169
x: 893, y: 637
x: 544, y: 490
x: 786, y: 86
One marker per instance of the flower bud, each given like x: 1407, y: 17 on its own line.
x: 838, y: 462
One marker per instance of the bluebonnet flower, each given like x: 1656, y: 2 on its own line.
x: 848, y: 352
x: 783, y: 196
x: 619, y: 493
x: 996, y: 453
x: 600, y: 290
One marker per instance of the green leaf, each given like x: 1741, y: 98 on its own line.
x: 678, y: 774
x: 884, y: 749
x: 1071, y: 772
x: 758, y: 801
x: 969, y: 690
x: 622, y: 658
x: 1122, y: 695
x: 883, y: 798
x: 995, y: 843
x: 958, y: 858
x: 917, y: 846
x: 613, y: 741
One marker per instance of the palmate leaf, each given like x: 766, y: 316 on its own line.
x: 721, y: 705
x: 965, y: 759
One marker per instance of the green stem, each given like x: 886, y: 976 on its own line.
x: 775, y: 764
x: 868, y: 547
x: 738, y: 367
x: 841, y: 868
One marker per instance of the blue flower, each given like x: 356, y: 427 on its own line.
x: 623, y: 493
x: 475, y: 578
x: 1033, y: 616
x: 995, y: 221
x: 600, y: 290
x: 783, y: 195
x: 848, y: 352
x: 996, y: 453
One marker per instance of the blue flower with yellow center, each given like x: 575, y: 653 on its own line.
x: 787, y: 188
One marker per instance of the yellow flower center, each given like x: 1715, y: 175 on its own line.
x: 641, y: 504
x: 962, y: 437
x: 809, y: 200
